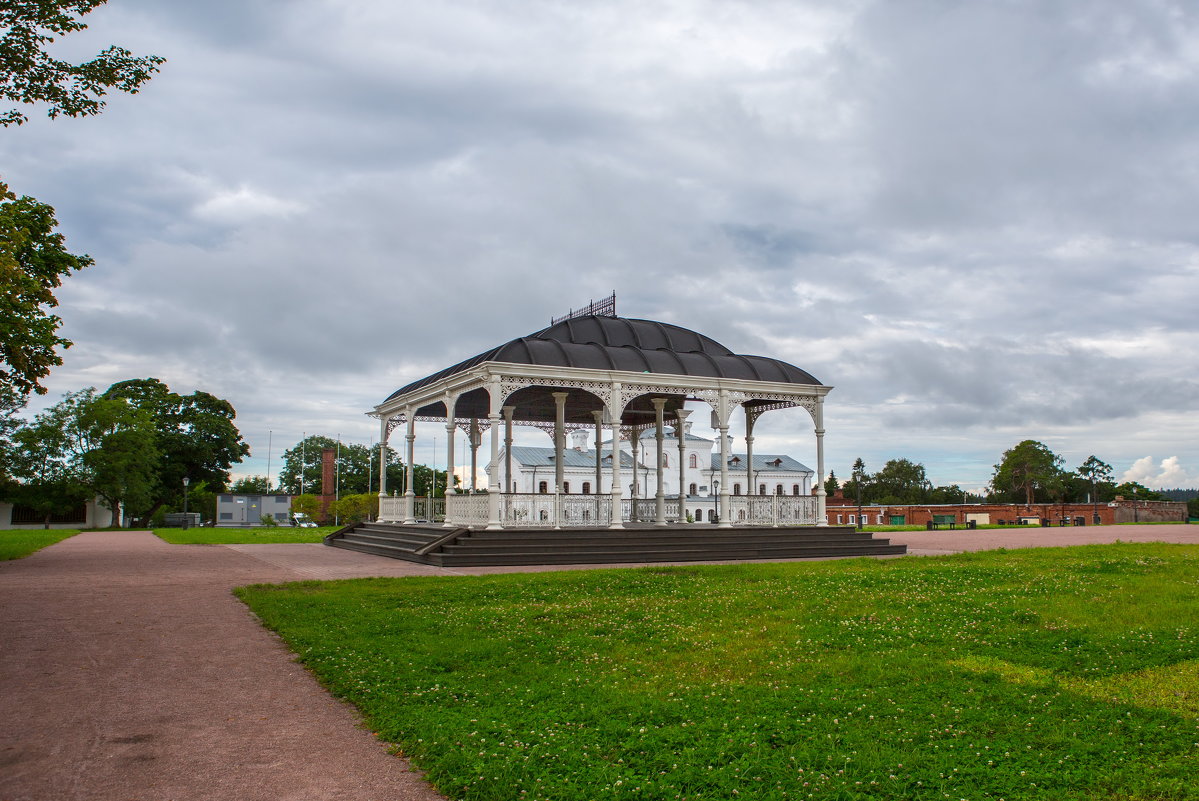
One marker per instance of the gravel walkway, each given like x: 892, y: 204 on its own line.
x: 129, y: 672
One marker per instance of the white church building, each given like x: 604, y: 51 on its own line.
x: 533, y: 471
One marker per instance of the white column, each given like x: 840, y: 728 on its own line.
x: 598, y: 414
x: 493, y: 483
x: 634, y: 442
x: 660, y: 435
x: 750, y: 418
x: 559, y: 453
x: 559, y: 438
x: 680, y: 433
x: 723, y: 416
x: 450, y: 430
x: 507, y: 410
x: 383, y: 457
x: 617, y: 520
x: 476, y: 439
x: 821, y: 515
x: 409, y: 492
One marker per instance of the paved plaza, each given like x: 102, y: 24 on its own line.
x: 129, y: 671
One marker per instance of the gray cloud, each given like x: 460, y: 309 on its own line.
x: 976, y: 221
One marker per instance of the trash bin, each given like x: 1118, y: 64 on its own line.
x: 971, y: 524
x: 928, y: 525
x: 1095, y: 520
x: 1080, y: 521
x: 1045, y: 521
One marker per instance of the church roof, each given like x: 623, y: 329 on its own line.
x: 764, y: 462
x: 620, y: 343
x: 529, y: 456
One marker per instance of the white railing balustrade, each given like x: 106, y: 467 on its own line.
x: 429, y: 510
x: 391, y: 509
x: 772, y: 510
x: 467, y: 510
x: 536, y: 510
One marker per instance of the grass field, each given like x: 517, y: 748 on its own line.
x: 242, y: 536
x: 15, y: 543
x: 1034, y: 674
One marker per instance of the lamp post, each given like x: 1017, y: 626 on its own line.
x: 716, y: 491
x: 186, y: 519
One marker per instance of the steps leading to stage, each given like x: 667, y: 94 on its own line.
x: 461, y: 547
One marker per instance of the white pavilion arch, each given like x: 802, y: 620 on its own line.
x: 600, y: 371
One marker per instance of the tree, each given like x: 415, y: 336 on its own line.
x: 1131, y: 490
x: 251, y: 485
x: 42, y: 475
x: 306, y: 504
x: 831, y: 484
x: 33, y: 262
x: 858, y: 473
x: 194, y: 436
x: 1095, y: 472
x: 29, y: 75
x: 1027, y: 467
x: 899, y: 481
x: 356, y: 469
x: 83, y: 446
x: 352, y: 508
x: 118, y: 456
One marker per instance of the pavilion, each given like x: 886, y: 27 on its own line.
x: 595, y: 370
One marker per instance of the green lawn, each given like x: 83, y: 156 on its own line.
x: 1034, y: 674
x: 15, y: 543
x: 242, y: 536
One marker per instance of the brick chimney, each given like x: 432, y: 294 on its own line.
x: 328, y: 481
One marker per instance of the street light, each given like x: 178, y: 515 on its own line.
x: 716, y: 490
x: 186, y: 519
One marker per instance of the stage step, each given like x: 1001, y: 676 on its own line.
x: 459, y: 547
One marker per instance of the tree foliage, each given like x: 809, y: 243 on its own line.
x: 356, y: 469
x: 194, y: 435
x: 1131, y: 490
x: 30, y: 75
x: 1026, y: 468
x: 352, y: 508
x: 251, y: 485
x: 33, y: 262
x: 306, y: 504
x: 41, y: 474
x: 86, y: 445
x: 1097, y: 475
x: 831, y: 484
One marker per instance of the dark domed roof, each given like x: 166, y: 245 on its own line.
x: 619, y: 343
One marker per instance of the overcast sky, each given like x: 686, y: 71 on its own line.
x: 979, y: 222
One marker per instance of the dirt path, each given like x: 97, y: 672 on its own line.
x: 129, y: 672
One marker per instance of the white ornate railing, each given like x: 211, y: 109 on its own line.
x: 428, y: 509
x: 772, y: 510
x: 467, y: 510
x: 528, y: 509
x: 568, y: 511
x: 391, y: 509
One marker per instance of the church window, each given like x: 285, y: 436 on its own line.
x: 693, y: 461
x: 543, y: 487
x: 778, y: 490
x: 736, y: 489
x: 761, y: 489
x: 586, y: 487
x: 691, y: 490
x: 794, y: 489
x: 665, y: 459
x: 565, y: 487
